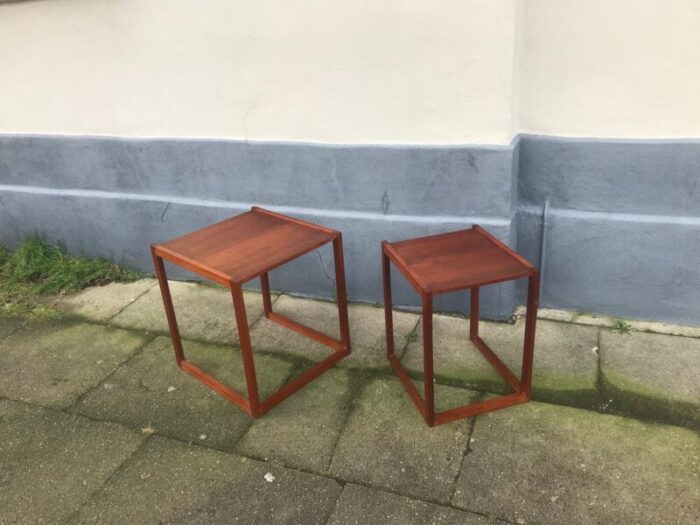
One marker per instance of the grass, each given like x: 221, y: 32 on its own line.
x: 37, y: 268
x: 621, y: 327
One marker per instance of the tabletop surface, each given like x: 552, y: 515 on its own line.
x: 245, y: 246
x: 458, y: 260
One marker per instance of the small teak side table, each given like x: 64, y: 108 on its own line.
x: 235, y: 251
x: 456, y: 261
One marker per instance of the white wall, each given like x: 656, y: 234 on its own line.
x: 364, y: 71
x: 611, y: 68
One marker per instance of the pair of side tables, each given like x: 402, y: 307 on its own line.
x: 250, y: 245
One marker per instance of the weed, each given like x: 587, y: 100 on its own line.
x: 411, y: 337
x: 621, y: 327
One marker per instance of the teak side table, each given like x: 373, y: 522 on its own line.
x: 235, y: 251
x: 456, y: 261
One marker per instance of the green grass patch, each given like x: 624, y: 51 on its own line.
x: 37, y: 268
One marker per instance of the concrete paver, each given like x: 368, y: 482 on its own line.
x: 566, y: 360
x: 151, y: 392
x: 364, y: 506
x: 47, y: 362
x: 367, y: 331
x: 354, y: 428
x: 203, y: 312
x: 10, y: 324
x: 652, y: 375
x: 539, y: 463
x: 387, y: 445
x: 302, y: 431
x: 101, y: 303
x: 170, y: 482
x: 51, y: 462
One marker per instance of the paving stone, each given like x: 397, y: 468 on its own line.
x: 152, y: 392
x: 539, y: 463
x: 302, y: 431
x: 565, y: 366
x: 364, y: 506
x: 52, y: 462
x: 47, y: 363
x: 454, y: 357
x: 204, y: 313
x: 170, y: 482
x: 101, y: 303
x: 10, y: 324
x: 367, y: 331
x: 650, y: 375
x: 386, y: 444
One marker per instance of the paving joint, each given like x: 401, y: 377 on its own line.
x: 468, y: 448
x: 600, y: 389
x: 410, y: 337
x: 124, y: 363
x: 118, y: 469
x: 275, y: 297
x: 334, y: 507
x: 342, y: 482
x: 109, y: 320
x: 358, y: 383
x: 297, y: 366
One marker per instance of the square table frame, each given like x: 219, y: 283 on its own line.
x: 252, y: 404
x: 521, y: 388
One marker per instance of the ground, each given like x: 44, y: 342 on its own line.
x: 99, y: 424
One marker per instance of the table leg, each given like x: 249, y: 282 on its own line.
x: 428, y: 378
x: 265, y: 289
x: 388, y: 304
x: 474, y: 313
x: 533, y: 294
x: 341, y: 292
x: 168, y: 304
x: 246, y: 348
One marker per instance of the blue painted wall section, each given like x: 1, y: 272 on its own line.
x: 624, y: 224
x: 624, y: 221
x: 114, y: 197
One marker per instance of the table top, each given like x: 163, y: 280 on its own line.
x: 246, y: 246
x: 457, y: 260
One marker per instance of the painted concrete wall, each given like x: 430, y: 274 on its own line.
x: 601, y: 68
x: 415, y: 71
x: 114, y: 197
x: 623, y: 228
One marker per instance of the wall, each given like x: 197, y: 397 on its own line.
x: 128, y: 122
x: 623, y: 234
x: 113, y: 197
x: 317, y: 70
x: 623, y: 225
x: 622, y: 69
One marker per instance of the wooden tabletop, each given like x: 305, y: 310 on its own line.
x: 457, y: 260
x: 246, y: 246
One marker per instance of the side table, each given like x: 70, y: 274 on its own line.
x: 456, y: 261
x: 235, y: 251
